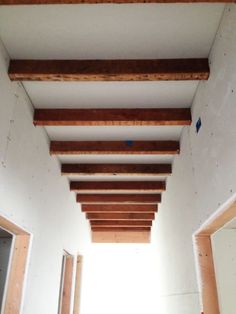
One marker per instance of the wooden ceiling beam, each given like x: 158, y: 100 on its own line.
x: 116, y: 229
x: 113, y: 117
x: 118, y: 186
x: 116, y: 169
x: 121, y: 236
x: 119, y: 208
x: 118, y: 198
x: 120, y: 216
x: 114, y: 147
x: 120, y: 223
x: 109, y: 70
x: 46, y: 2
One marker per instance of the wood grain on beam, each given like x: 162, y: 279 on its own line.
x: 120, y: 216
x: 120, y: 223
x: 118, y: 186
x: 109, y: 70
x: 121, y: 229
x: 116, y: 169
x: 103, y: 117
x: 121, y: 208
x: 118, y: 198
x: 45, y: 2
x: 114, y: 236
x: 114, y: 147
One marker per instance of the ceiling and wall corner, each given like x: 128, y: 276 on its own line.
x: 100, y: 32
x: 189, y: 200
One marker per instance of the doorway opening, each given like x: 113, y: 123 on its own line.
x: 14, y: 248
x: 205, y: 248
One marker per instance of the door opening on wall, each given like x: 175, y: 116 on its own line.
x: 14, y: 242
x: 5, y: 250
x: 224, y: 256
x: 66, y: 284
x: 216, y: 270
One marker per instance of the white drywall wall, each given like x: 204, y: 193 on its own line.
x: 204, y: 174
x: 34, y: 195
x: 224, y: 252
x: 5, y: 249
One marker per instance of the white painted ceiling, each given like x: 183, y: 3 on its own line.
x: 131, y: 31
x: 109, y: 31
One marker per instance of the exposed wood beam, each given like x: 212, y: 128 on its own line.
x: 120, y: 216
x: 103, y: 117
x: 109, y: 70
x: 118, y: 186
x: 119, y: 236
x: 118, y: 198
x: 114, y: 147
x: 119, y: 208
x: 121, y: 228
x: 116, y: 169
x: 45, y: 2
x: 120, y: 223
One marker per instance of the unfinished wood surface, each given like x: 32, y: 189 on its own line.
x: 121, y: 236
x: 31, y: 2
x: 118, y: 198
x: 67, y: 285
x: 116, y: 169
x: 124, y: 228
x: 120, y: 216
x: 11, y: 227
x: 218, y: 221
x: 121, y: 223
x: 121, y: 208
x: 118, y: 186
x: 114, y: 147
x: 15, y: 283
x: 76, y: 309
x: 103, y: 117
x: 109, y: 70
x: 207, y: 274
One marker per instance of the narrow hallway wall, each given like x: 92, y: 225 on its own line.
x: 204, y: 175
x: 34, y: 195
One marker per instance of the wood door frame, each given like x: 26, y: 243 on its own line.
x: 66, y: 289
x: 15, y: 281
x: 204, y: 256
x: 77, y: 292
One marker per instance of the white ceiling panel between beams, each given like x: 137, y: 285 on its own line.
x: 109, y: 31
x: 171, y: 94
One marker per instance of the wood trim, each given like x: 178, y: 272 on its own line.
x: 46, y: 2
x: 118, y: 198
x: 11, y: 227
x: 15, y: 282
x: 67, y: 285
x: 121, y: 208
x: 121, y: 236
x: 104, y: 117
x: 120, y: 216
x: 16, y: 277
x: 207, y: 273
x: 114, y: 147
x: 120, y: 223
x: 116, y: 169
x: 208, y: 287
x: 118, y: 186
x: 109, y: 70
x: 79, y: 262
x: 219, y: 221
